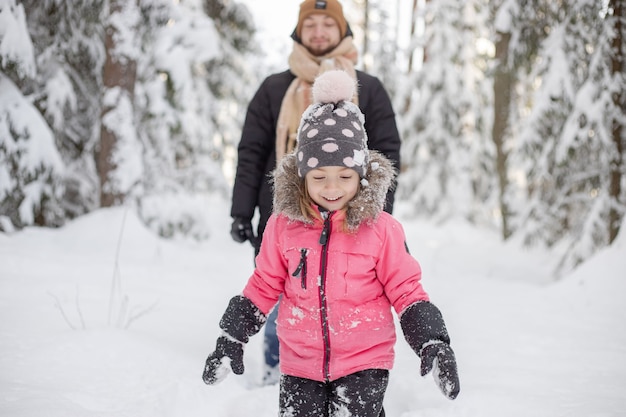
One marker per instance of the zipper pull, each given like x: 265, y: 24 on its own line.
x: 326, y: 229
x: 301, y: 269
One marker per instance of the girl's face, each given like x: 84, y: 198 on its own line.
x: 332, y: 187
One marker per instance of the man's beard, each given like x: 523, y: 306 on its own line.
x: 322, y: 52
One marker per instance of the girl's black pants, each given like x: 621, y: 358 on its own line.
x: 360, y: 394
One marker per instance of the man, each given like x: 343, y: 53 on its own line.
x: 322, y: 41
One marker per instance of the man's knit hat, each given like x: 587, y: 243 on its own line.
x: 331, y: 8
x: 331, y: 131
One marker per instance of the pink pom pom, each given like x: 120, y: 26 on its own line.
x: 333, y: 86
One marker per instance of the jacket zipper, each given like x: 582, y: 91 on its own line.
x: 301, y: 269
x: 324, y: 238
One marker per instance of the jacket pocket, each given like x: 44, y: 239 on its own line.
x: 362, y: 283
x: 301, y: 281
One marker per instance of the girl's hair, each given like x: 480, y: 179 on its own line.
x: 306, y: 202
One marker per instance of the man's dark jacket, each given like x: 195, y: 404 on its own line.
x: 257, y: 156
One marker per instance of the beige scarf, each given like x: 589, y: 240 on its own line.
x: 307, y: 67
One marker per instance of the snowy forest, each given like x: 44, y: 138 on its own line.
x: 512, y: 112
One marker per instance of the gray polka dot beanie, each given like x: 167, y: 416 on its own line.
x: 331, y: 131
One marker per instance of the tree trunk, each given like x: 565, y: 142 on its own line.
x: 366, y: 33
x: 619, y: 98
x: 407, y: 102
x: 503, y: 87
x: 119, y: 72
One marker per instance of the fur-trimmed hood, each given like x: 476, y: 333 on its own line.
x: 364, y: 207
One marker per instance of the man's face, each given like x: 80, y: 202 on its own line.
x: 320, y: 34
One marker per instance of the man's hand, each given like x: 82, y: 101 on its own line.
x: 241, y: 230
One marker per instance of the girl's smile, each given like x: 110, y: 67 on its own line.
x: 332, y: 187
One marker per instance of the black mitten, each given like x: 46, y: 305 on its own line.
x: 241, y: 320
x: 217, y: 364
x: 439, y: 357
x: 241, y: 230
x: 425, y: 331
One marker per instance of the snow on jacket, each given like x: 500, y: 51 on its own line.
x: 256, y: 150
x: 335, y: 314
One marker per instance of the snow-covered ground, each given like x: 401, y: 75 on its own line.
x: 144, y: 313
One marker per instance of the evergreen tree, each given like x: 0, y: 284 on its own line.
x: 193, y: 82
x: 30, y: 164
x: 590, y: 150
x: 174, y: 115
x: 560, y: 69
x: 67, y: 90
x: 171, y: 123
x: 232, y: 76
x: 444, y: 150
x: 519, y: 29
x: 568, y: 149
x: 380, y: 58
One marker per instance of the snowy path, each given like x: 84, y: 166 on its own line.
x: 526, y: 346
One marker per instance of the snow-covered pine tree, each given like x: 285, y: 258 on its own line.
x: 192, y: 84
x: 590, y: 150
x: 544, y: 104
x: 478, y: 119
x: 538, y: 219
x: 31, y: 167
x: 380, y: 57
x: 616, y: 12
x: 177, y: 114
x: 68, y: 40
x: 520, y: 28
x: 232, y: 74
x: 444, y: 149
x: 568, y: 151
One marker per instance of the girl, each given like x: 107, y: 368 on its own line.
x: 340, y: 263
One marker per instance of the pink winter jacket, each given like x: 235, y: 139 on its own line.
x: 335, y: 314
